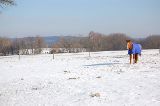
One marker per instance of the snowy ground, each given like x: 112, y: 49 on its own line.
x: 74, y: 79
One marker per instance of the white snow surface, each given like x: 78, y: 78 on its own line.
x: 70, y: 79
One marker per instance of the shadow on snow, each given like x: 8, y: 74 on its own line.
x: 102, y: 64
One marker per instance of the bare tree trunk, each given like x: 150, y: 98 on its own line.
x: 19, y: 55
x: 89, y: 52
x: 53, y: 54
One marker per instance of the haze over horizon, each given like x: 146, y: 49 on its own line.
x: 136, y: 18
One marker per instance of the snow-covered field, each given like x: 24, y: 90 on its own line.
x: 104, y: 79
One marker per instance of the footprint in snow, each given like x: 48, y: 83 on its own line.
x: 73, y: 78
x: 95, y: 95
x: 98, y: 77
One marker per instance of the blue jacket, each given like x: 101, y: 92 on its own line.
x: 136, y: 49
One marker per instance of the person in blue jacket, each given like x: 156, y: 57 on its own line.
x: 133, y: 49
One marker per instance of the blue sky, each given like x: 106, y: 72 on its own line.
x: 136, y: 18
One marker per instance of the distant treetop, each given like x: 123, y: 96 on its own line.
x: 7, y: 2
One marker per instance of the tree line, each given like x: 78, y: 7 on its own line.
x: 101, y: 42
x: 28, y: 45
x: 92, y: 42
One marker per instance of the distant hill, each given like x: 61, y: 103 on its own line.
x: 54, y: 39
x: 48, y: 39
x: 51, y: 39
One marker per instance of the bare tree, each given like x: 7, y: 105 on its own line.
x: 7, y: 2
x: 4, y: 3
x: 5, y: 45
x: 95, y: 41
x: 39, y: 44
x: 64, y: 43
x: 151, y: 42
x: 30, y: 43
